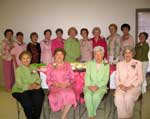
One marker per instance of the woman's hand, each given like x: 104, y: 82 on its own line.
x: 78, y: 58
x: 62, y: 85
x: 42, y: 68
x: 34, y: 86
x: 122, y: 87
x: 93, y: 88
x: 129, y: 87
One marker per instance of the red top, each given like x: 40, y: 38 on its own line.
x: 101, y: 42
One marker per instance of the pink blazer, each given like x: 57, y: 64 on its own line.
x: 129, y: 73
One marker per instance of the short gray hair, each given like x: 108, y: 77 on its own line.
x: 98, y: 48
x: 128, y: 48
x: 96, y: 29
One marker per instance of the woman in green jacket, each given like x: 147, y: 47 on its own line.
x: 141, y: 54
x: 96, y: 79
x: 72, y: 46
x: 27, y: 89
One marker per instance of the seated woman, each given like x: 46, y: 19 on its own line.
x: 96, y: 79
x: 59, y: 80
x: 27, y: 88
x: 129, y: 78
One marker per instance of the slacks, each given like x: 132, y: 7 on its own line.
x: 125, y: 101
x: 92, y: 100
x: 31, y: 101
x: 9, y: 76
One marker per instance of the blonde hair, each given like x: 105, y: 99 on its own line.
x: 113, y: 25
x: 96, y: 29
x: 25, y: 53
x: 128, y: 48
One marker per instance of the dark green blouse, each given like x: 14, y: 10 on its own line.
x: 141, y: 51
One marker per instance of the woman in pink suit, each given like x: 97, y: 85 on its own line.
x: 46, y: 54
x: 7, y: 46
x: 129, y: 79
x: 59, y: 79
x: 59, y: 41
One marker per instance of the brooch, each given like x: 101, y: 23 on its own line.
x: 33, y: 71
x: 54, y: 65
x: 105, y: 62
x: 134, y: 65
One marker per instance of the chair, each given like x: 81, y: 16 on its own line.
x: 137, y: 112
x: 103, y: 103
x: 18, y: 110
x: 45, y: 108
x: 46, y: 111
x: 138, y: 108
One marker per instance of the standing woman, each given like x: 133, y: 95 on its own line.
x: 96, y: 79
x: 60, y: 83
x: 46, y: 54
x: 126, y: 39
x: 7, y: 46
x: 34, y: 48
x: 141, y: 54
x: 59, y: 41
x: 72, y: 46
x: 85, y: 46
x: 129, y: 79
x: 19, y: 46
x: 113, y: 43
x: 27, y: 89
x: 99, y: 40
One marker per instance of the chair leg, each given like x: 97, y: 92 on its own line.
x: 18, y: 110
x: 104, y: 110
x: 140, y: 111
x: 45, y: 108
x: 74, y: 114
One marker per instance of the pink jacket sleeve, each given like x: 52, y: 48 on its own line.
x: 41, y: 45
x: 138, y: 82
x: 14, y: 51
x: 52, y: 46
x: 118, y: 81
x: 70, y: 73
x: 48, y: 76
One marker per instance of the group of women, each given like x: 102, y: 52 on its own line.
x: 57, y: 54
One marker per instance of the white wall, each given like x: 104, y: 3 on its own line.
x: 36, y: 15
